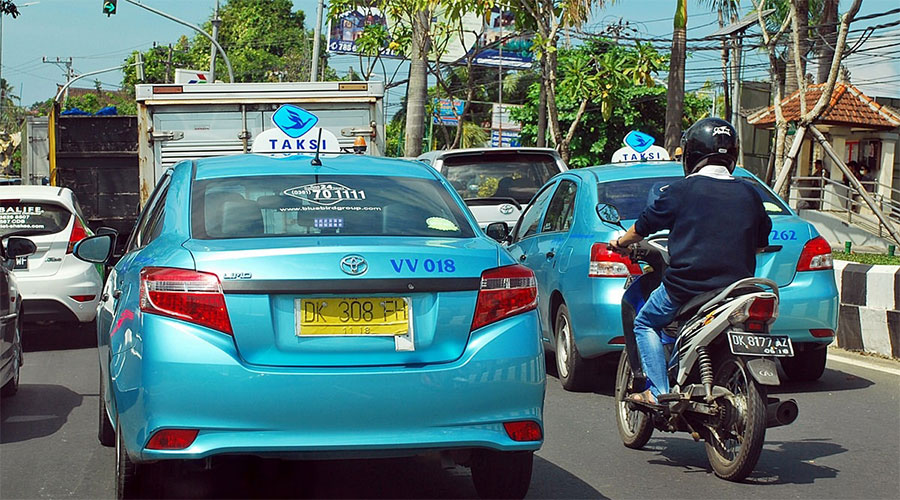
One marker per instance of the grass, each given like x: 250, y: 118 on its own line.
x: 868, y: 258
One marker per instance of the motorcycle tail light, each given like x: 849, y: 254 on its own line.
x: 505, y: 291
x: 187, y: 295
x: 756, y: 315
x: 608, y: 264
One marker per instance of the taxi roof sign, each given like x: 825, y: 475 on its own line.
x: 638, y: 141
x: 295, y: 133
x: 639, y: 147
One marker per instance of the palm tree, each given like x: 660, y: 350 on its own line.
x: 675, y: 92
x: 727, y: 11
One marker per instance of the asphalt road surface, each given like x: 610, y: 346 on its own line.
x: 845, y: 444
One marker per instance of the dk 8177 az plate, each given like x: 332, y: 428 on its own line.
x: 750, y: 344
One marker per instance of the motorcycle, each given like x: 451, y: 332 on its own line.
x: 720, y: 362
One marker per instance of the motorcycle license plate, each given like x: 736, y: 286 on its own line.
x: 751, y: 344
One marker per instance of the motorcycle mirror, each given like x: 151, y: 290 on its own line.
x: 608, y: 213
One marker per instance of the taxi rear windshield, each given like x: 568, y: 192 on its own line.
x: 308, y: 205
x: 506, y: 175
x: 32, y: 218
x: 632, y: 195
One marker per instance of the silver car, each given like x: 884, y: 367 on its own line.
x: 496, y: 183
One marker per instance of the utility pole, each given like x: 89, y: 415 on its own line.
x: 216, y: 22
x: 314, y: 72
x: 169, y: 65
x: 62, y: 62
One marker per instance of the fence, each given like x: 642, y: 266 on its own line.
x: 837, y: 198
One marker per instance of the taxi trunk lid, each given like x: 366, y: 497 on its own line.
x: 307, y: 301
x: 786, y: 241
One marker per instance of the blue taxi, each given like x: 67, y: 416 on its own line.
x: 279, y: 307
x: 562, y: 239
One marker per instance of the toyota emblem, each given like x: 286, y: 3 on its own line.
x: 354, y: 265
x: 506, y: 209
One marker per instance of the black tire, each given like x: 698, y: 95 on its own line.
x: 502, y: 474
x: 575, y: 373
x: 127, y: 473
x: 635, y: 426
x: 11, y: 387
x: 734, y: 451
x: 805, y: 366
x: 106, y: 434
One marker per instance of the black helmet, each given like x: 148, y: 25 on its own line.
x: 710, y: 141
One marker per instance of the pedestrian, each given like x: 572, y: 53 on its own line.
x: 717, y: 224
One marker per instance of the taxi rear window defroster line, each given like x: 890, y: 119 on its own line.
x: 351, y: 285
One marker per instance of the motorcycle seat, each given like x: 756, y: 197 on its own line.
x: 691, y: 307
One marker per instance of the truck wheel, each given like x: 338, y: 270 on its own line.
x: 502, y: 474
x: 574, y: 371
x: 805, y: 366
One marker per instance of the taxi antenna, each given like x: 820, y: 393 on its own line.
x: 316, y: 162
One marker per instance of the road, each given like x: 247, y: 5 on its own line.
x: 845, y: 444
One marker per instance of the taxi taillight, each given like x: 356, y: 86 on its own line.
x: 505, y: 291
x: 608, y: 264
x: 191, y: 296
x: 816, y: 256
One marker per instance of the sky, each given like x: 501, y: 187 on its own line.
x: 78, y: 29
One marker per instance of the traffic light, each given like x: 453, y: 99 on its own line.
x: 109, y: 7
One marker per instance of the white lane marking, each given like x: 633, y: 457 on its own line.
x: 863, y: 364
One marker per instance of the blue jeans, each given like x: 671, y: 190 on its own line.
x: 658, y: 312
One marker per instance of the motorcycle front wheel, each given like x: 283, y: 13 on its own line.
x: 634, y: 426
x: 734, y: 446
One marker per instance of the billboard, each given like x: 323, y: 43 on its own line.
x: 447, y: 112
x: 494, y: 40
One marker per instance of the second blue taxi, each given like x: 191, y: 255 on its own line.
x: 562, y: 239
x: 282, y: 308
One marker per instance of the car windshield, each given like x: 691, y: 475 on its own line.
x: 507, y: 175
x: 28, y: 217
x: 301, y: 205
x: 631, y: 196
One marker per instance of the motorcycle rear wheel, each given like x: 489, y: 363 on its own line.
x: 635, y: 426
x: 734, y: 450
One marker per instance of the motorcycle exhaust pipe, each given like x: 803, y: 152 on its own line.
x: 780, y: 413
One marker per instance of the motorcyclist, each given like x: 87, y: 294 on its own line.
x: 717, y: 224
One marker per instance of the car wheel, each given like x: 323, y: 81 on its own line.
x: 12, y: 386
x: 127, y: 477
x: 502, y: 474
x: 805, y: 366
x: 574, y: 371
x: 105, y: 431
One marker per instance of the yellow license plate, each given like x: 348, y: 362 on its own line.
x: 352, y: 316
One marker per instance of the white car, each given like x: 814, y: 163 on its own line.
x: 496, y: 183
x: 55, y: 286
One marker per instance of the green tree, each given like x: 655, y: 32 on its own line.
x: 630, y: 102
x: 265, y: 41
x: 546, y: 18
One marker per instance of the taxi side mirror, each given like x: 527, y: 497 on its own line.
x: 498, y: 231
x: 608, y: 213
x: 95, y: 249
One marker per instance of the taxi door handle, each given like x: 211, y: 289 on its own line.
x: 117, y: 294
x: 523, y: 257
x: 550, y: 254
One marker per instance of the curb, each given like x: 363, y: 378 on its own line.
x: 869, y: 307
x: 882, y: 365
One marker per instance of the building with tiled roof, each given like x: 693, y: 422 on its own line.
x: 848, y: 106
x: 859, y: 129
